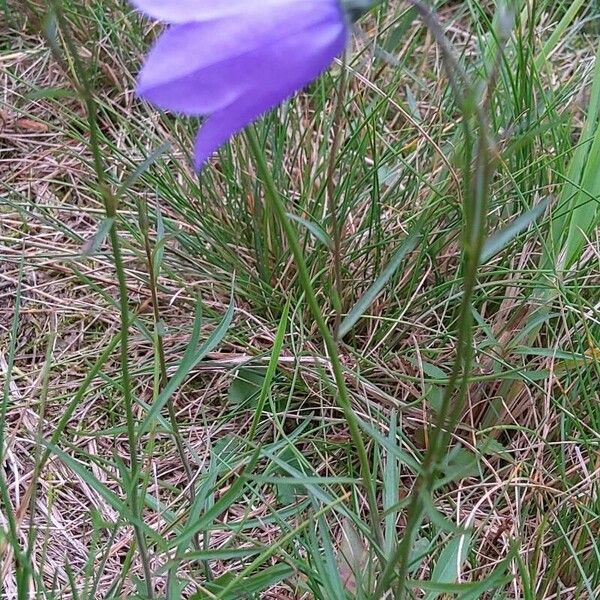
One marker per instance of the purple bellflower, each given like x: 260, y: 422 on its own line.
x: 230, y: 61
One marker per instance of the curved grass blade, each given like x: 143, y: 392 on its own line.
x: 359, y: 309
x: 191, y: 358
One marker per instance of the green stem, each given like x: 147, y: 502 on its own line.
x: 152, y: 276
x: 475, y: 209
x: 128, y: 397
x: 110, y: 204
x: 343, y: 397
x: 452, y: 403
x: 336, y: 225
x: 162, y: 361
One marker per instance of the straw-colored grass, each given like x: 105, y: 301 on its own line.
x: 515, y: 502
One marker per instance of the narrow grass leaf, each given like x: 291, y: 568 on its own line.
x: 447, y: 566
x: 93, y: 245
x: 558, y: 33
x: 578, y: 205
x: 51, y: 93
x: 313, y: 228
x: 392, y: 447
x: 501, y: 239
x: 220, y: 506
x: 360, y: 308
x: 271, y: 369
x: 495, y: 581
x: 102, y: 490
x: 213, y: 554
x: 246, y: 385
x: 161, y: 239
x: 191, y: 358
x: 304, y: 480
x: 391, y: 490
x: 323, y: 556
x: 142, y: 168
x: 246, y: 587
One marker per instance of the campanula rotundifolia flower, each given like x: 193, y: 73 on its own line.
x: 230, y: 61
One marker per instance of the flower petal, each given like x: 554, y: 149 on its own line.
x: 187, y: 11
x: 198, y: 68
x: 170, y: 80
x: 292, y: 63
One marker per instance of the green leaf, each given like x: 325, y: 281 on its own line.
x: 419, y: 552
x: 248, y: 586
x: 359, y: 309
x: 322, y: 555
x: 436, y: 517
x: 142, y: 168
x: 313, y: 228
x: 246, y: 385
x: 271, y: 370
x: 397, y: 35
x: 191, y: 358
x: 50, y: 93
x: 500, y: 239
x: 92, y: 246
x: 578, y: 209
x: 161, y: 240
x: 447, y: 565
x: 468, y: 591
x: 392, y: 447
x: 460, y: 463
x: 213, y: 554
x: 391, y: 490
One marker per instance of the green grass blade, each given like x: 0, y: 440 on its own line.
x: 192, y: 357
x: 359, y: 309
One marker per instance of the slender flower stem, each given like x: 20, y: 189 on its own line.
x: 476, y: 201
x: 152, y: 276
x: 336, y: 226
x: 128, y: 397
x: 343, y: 397
x: 162, y: 362
x: 110, y: 204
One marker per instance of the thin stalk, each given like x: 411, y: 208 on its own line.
x: 144, y: 228
x: 162, y: 362
x: 476, y: 203
x: 32, y: 491
x: 110, y: 206
x: 336, y: 226
x: 128, y: 399
x: 343, y: 397
x: 10, y: 532
x: 452, y: 403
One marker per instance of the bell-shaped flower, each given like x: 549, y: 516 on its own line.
x: 230, y: 61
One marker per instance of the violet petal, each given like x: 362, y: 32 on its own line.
x: 291, y: 67
x: 187, y: 11
x: 232, y: 69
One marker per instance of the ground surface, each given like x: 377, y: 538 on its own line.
x: 515, y: 503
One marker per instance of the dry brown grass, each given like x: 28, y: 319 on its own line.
x: 50, y: 212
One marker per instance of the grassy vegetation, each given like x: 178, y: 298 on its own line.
x: 231, y: 385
